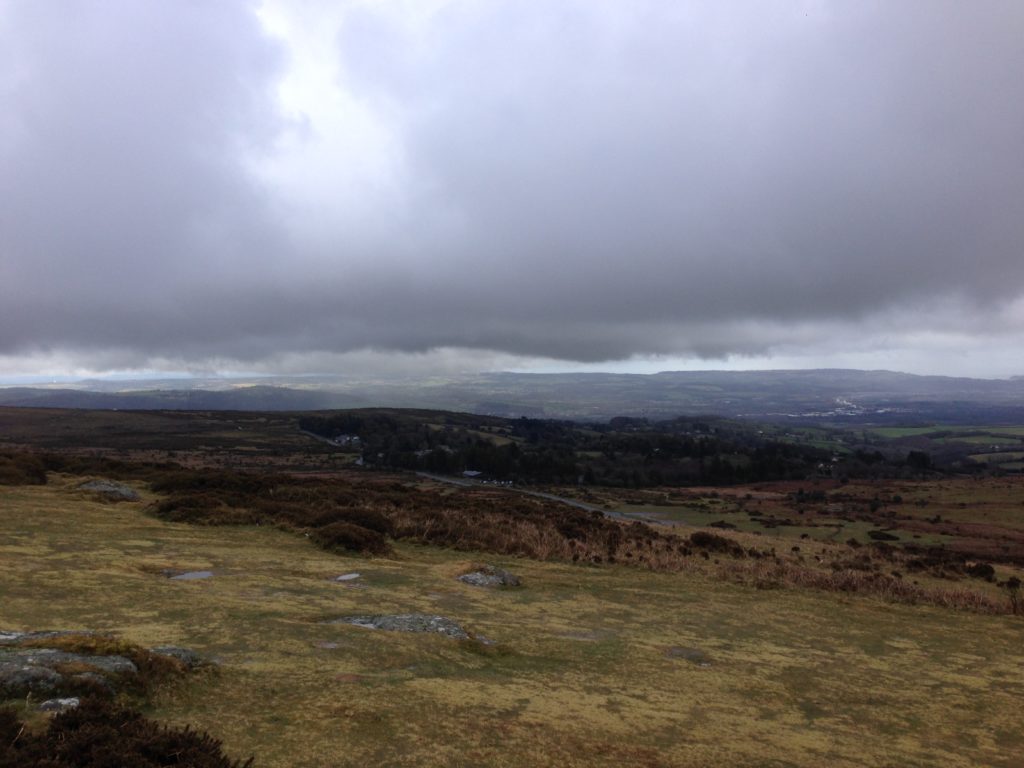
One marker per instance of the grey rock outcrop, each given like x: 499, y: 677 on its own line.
x: 490, y: 576
x: 25, y: 671
x: 408, y: 622
x: 110, y: 490
x: 9, y: 637
x: 28, y: 667
x: 50, y: 658
x: 59, y: 705
x: 18, y: 679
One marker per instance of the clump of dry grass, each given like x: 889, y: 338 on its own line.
x: 538, y: 530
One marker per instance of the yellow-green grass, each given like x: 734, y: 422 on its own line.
x: 579, y: 676
x: 986, y: 440
x: 1015, y: 431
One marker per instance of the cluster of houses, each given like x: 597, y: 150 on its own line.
x: 346, y: 440
x: 481, y: 477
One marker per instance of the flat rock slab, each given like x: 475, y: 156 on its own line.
x: 490, y: 576
x: 192, y: 576
x: 408, y: 622
x: 692, y: 655
x: 347, y: 577
x: 9, y: 636
x: 108, y: 489
x: 49, y: 657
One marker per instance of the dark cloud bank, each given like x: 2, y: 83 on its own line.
x: 578, y: 180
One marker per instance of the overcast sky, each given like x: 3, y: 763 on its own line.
x: 307, y: 185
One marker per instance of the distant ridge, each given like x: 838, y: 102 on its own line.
x: 247, y: 398
x: 834, y: 395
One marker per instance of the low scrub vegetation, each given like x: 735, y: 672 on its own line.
x: 363, y: 515
x: 21, y: 469
x: 343, y: 536
x: 100, y: 734
x: 770, y: 574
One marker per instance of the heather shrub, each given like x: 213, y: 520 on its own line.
x: 295, y: 515
x: 352, y: 538
x: 21, y: 469
x: 99, y: 734
x: 982, y: 571
x: 712, y: 542
x: 365, y: 517
x: 203, y: 508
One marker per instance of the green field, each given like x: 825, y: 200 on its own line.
x: 591, y: 667
x: 986, y: 440
x: 895, y: 432
x: 998, y: 457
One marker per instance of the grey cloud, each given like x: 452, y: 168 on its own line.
x: 121, y: 184
x: 853, y: 159
x: 578, y: 180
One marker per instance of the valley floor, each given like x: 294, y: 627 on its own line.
x: 591, y: 666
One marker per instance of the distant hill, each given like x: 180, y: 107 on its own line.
x: 839, y: 396
x: 246, y: 398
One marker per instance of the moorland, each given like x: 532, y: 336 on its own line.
x: 693, y: 591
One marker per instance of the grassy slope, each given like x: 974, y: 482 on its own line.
x: 797, y: 678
